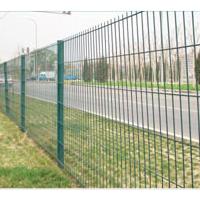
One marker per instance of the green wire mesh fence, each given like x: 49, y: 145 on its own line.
x: 41, y: 97
x: 116, y: 105
x: 10, y: 91
x: 2, y: 90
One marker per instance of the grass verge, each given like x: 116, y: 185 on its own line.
x: 101, y: 152
x: 23, y: 164
x: 168, y: 86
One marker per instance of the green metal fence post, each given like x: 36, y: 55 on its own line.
x: 22, y: 95
x: 60, y: 82
x: 6, y: 88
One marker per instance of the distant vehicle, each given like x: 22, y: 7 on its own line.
x: 33, y: 78
x: 10, y: 81
x: 2, y: 80
x: 71, y: 77
x: 47, y: 76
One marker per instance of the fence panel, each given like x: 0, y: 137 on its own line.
x: 41, y: 93
x: 12, y: 89
x: 130, y: 114
x: 2, y: 90
x: 131, y: 102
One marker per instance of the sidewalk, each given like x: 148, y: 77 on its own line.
x: 23, y: 164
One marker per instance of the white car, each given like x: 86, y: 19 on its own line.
x: 2, y: 80
x: 47, y: 76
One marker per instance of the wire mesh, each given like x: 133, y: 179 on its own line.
x: 41, y: 93
x: 2, y: 89
x: 11, y: 86
x: 130, y: 101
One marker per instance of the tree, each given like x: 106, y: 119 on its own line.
x: 158, y: 72
x: 178, y: 66
x: 121, y: 74
x: 197, y: 69
x: 101, y: 71
x: 113, y: 73
x: 164, y: 71
x: 150, y: 73
x: 136, y: 72
x: 87, y: 71
x: 31, y: 64
x: 130, y: 74
x: 46, y: 59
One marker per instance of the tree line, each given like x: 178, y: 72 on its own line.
x: 101, y: 71
x: 97, y: 71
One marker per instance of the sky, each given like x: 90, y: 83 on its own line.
x: 17, y: 29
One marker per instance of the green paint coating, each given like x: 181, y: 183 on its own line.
x: 22, y: 99
x: 60, y: 85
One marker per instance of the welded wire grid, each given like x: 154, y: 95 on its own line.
x: 2, y: 89
x: 131, y: 101
x: 41, y: 94
x: 10, y: 89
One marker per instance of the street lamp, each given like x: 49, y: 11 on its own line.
x: 36, y: 42
x: 55, y: 12
x: 35, y: 24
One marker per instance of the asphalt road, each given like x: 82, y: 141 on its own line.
x: 162, y: 112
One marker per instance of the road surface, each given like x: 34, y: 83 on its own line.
x: 149, y: 110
